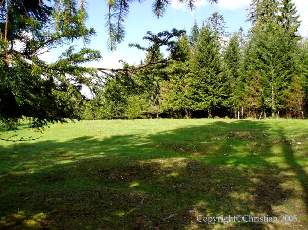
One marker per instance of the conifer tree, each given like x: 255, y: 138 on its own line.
x: 194, y: 34
x: 207, y: 85
x: 232, y: 70
x: 295, y: 98
x: 175, y: 90
x: 272, y: 51
x: 261, y: 11
x: 43, y: 91
x: 288, y: 18
x: 254, y: 97
x: 303, y: 57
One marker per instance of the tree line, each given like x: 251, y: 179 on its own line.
x: 203, y: 74
x: 208, y: 74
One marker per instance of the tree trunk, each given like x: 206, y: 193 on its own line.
x: 273, y: 100
x: 260, y: 117
x: 187, y: 114
x: 6, y: 26
x: 209, y: 113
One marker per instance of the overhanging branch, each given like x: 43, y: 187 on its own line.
x: 131, y: 69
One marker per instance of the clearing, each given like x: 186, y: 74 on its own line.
x: 155, y: 174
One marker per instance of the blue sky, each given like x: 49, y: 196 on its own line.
x: 141, y: 19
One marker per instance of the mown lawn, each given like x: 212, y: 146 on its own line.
x: 154, y: 174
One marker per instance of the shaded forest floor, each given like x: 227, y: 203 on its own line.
x: 155, y: 174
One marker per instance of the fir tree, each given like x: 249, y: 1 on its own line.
x: 288, y: 18
x: 254, y: 97
x: 272, y: 52
x: 175, y: 91
x: 232, y: 69
x: 263, y: 11
x: 207, y: 86
x: 194, y: 34
x: 295, y: 98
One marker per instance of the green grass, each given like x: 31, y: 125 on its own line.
x: 154, y: 174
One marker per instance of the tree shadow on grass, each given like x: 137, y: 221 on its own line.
x: 169, y: 180
x: 298, y: 170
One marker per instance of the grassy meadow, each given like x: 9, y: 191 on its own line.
x: 154, y: 174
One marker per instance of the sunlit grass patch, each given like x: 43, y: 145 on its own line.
x: 156, y: 173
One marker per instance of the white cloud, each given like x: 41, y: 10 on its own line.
x: 233, y: 4
x: 113, y: 60
x: 48, y: 56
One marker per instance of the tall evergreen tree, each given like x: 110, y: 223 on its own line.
x: 207, y: 85
x: 175, y: 91
x: 303, y: 57
x: 154, y: 74
x: 263, y: 11
x: 272, y: 51
x: 216, y: 23
x: 232, y: 70
x: 266, y: 58
x: 295, y: 97
x: 254, y: 97
x: 194, y: 34
x: 288, y: 18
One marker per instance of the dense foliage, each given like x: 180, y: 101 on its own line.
x: 29, y: 86
x: 261, y: 74
x: 204, y: 74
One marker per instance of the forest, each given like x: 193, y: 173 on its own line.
x: 210, y: 73
x: 206, y: 72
